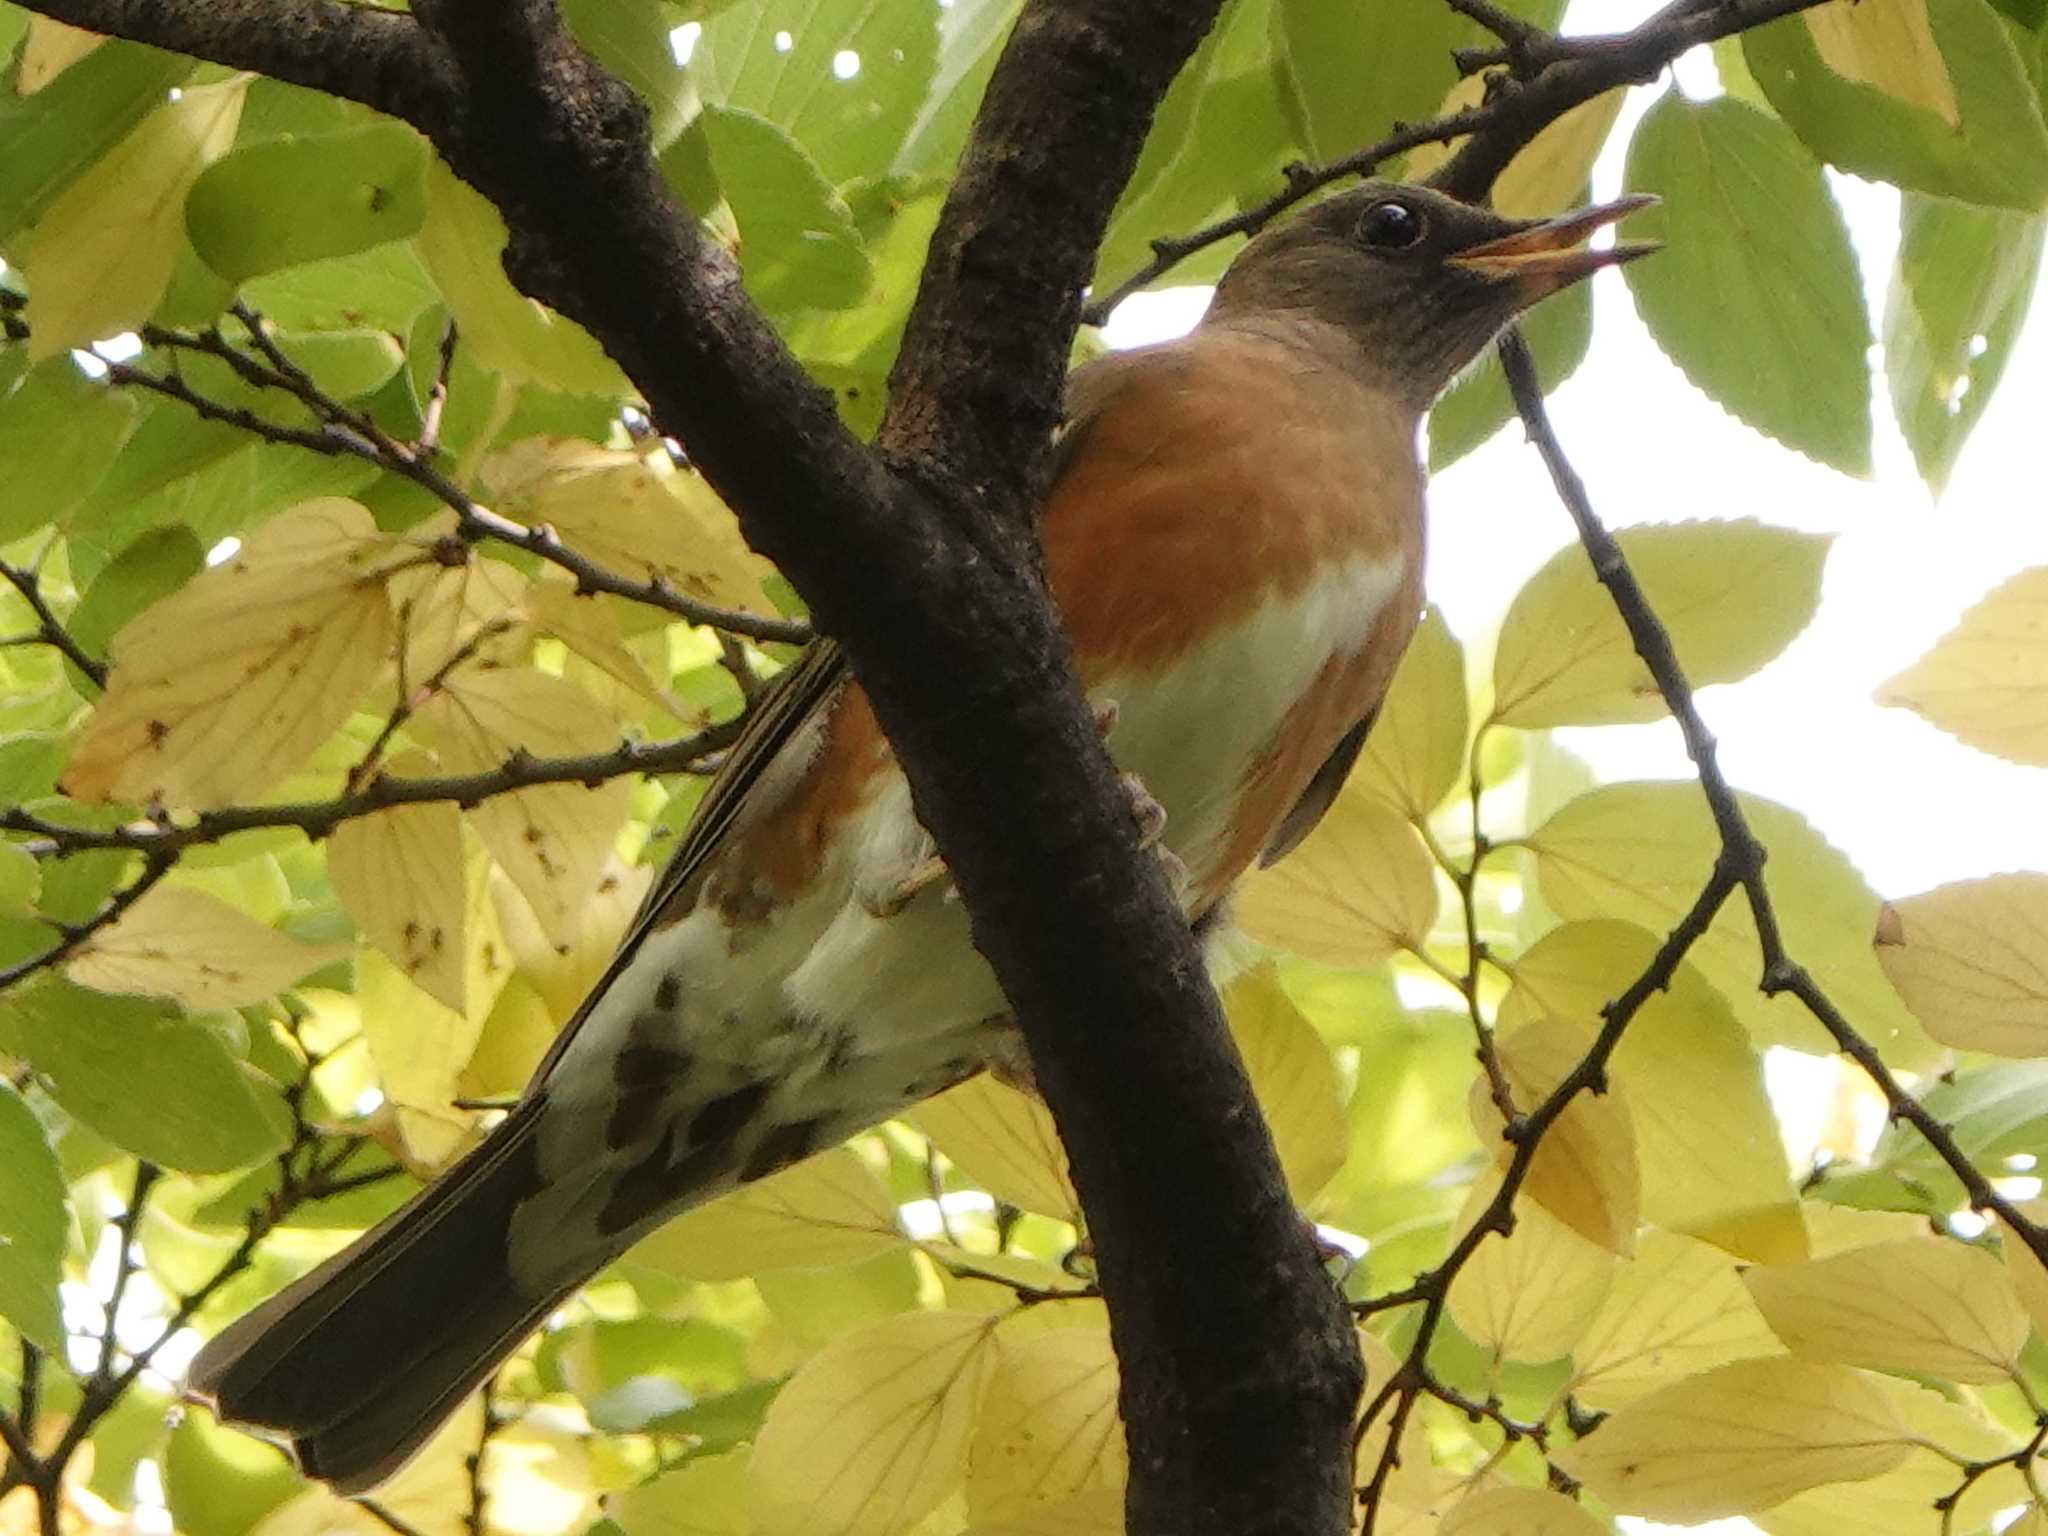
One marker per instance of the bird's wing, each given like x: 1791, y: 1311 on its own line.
x: 1321, y: 794
x: 795, y: 698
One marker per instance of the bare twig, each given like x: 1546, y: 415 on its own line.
x: 1573, y: 70
x: 437, y: 396
x: 49, y: 628
x: 1742, y: 855
x: 318, y: 818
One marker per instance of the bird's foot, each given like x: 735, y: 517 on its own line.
x: 890, y: 900
x: 1151, y: 819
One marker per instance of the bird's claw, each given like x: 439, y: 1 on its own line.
x: 890, y: 900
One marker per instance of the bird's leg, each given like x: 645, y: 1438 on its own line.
x: 889, y: 899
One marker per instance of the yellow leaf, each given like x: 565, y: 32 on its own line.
x: 1049, y: 1428
x: 1004, y: 1141
x: 1417, y: 743
x: 463, y: 243
x: 1099, y: 1512
x: 1890, y: 45
x: 470, y: 609
x: 1530, y: 1295
x: 401, y: 875
x: 225, y: 686
x: 1926, y: 1304
x: 1584, y: 1171
x: 553, y: 841
x: 1986, y: 681
x: 1677, y: 1308
x: 1733, y: 594
x: 826, y: 1210
x: 1707, y: 1142
x: 2029, y: 1276
x: 1358, y: 888
x: 1294, y: 1078
x: 1740, y: 1437
x: 50, y: 48
x: 632, y: 513
x: 1550, y: 174
x: 706, y: 1496
x: 1641, y: 852
x: 420, y: 1047
x: 1971, y: 961
x: 101, y: 256
x: 563, y: 974
x: 2033, y: 1523
x: 186, y: 945
x: 586, y: 626
x: 872, y: 1432
x: 1520, y: 1512
x: 539, y: 1479
x: 1903, y: 1501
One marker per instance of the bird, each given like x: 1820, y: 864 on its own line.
x: 1233, y: 539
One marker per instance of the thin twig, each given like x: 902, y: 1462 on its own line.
x: 71, y: 935
x: 1741, y: 852
x: 437, y: 396
x: 49, y: 628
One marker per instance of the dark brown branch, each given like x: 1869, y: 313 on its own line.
x: 1741, y: 852
x: 49, y: 628
x: 318, y: 818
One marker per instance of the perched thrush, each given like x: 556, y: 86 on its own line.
x: 1234, y: 540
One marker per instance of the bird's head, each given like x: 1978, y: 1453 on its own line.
x: 1420, y: 281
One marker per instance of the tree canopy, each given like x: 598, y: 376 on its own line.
x: 400, y: 514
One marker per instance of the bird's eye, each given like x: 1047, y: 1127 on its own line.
x: 1390, y: 225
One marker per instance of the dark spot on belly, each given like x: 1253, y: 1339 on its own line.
x: 781, y: 1146
x: 721, y: 1119
x: 646, y: 1076
x: 668, y: 992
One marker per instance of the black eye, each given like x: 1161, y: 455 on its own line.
x: 1390, y: 225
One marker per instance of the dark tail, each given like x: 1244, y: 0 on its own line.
x: 360, y: 1360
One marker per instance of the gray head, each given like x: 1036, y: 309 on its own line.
x: 1421, y: 281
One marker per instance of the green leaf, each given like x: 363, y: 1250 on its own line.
x: 385, y: 287
x: 715, y: 1424
x: 1221, y: 136
x: 154, y: 566
x: 2000, y: 153
x: 1746, y: 218
x: 463, y: 244
x: 630, y: 38
x: 55, y: 134
x: 1642, y: 851
x: 286, y: 201
x: 1993, y: 1113
x: 1732, y: 592
x: 59, y: 432
x: 159, y: 1085
x: 776, y: 59
x: 33, y: 1225
x: 1960, y: 291
x: 346, y: 364
x: 21, y: 881
x: 1356, y: 69
x: 971, y: 36
x: 219, y: 1482
x: 1559, y: 332
x: 798, y: 244
x: 29, y: 764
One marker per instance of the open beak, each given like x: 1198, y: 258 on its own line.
x: 1550, y: 254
